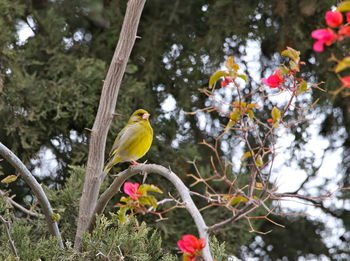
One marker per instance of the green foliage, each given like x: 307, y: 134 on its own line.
x: 65, y: 201
x: 168, y: 257
x: 129, y: 240
x: 30, y: 243
x: 3, y: 204
x: 218, y: 249
x: 109, y: 239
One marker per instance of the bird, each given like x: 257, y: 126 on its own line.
x: 132, y: 142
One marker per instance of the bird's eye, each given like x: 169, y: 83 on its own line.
x: 140, y: 114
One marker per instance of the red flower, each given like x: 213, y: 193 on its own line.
x: 348, y: 17
x: 274, y: 80
x: 270, y: 121
x: 323, y: 36
x: 334, y: 18
x: 132, y: 190
x: 191, y: 246
x: 226, y: 81
x: 346, y: 81
x: 344, y: 30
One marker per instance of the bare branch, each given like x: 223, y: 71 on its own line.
x: 16, y: 205
x: 8, y: 234
x: 295, y: 195
x: 175, y: 180
x: 247, y: 209
x: 36, y: 188
x: 108, y: 100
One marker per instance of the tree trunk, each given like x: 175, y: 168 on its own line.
x: 104, y: 117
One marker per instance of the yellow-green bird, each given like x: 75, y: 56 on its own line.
x: 132, y: 142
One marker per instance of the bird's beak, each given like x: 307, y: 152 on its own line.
x: 145, y: 116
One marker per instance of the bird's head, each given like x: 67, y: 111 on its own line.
x: 139, y: 115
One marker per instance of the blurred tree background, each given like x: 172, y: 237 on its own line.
x: 50, y: 84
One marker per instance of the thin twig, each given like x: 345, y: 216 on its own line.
x: 242, y: 212
x: 8, y: 234
x: 20, y: 207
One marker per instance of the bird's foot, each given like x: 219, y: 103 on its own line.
x: 133, y: 164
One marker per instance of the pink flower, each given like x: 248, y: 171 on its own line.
x: 191, y: 246
x: 226, y: 81
x: 274, y: 80
x: 131, y: 189
x: 323, y: 36
x: 334, y: 18
x: 348, y: 17
x: 326, y: 35
x: 346, y: 81
x: 318, y: 46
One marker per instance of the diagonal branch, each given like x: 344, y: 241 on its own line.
x: 36, y: 188
x: 241, y: 213
x: 20, y: 207
x: 175, y: 180
x: 108, y: 100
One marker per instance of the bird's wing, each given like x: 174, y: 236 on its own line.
x: 122, y: 135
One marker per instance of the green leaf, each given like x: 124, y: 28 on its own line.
x: 122, y: 214
x: 238, y: 199
x: 246, y: 155
x: 302, y: 87
x: 259, y: 161
x: 55, y: 217
x: 259, y: 185
x: 229, y: 125
x: 344, y: 6
x: 343, y: 64
x: 216, y: 76
x: 234, y: 116
x: 292, y: 54
x: 284, y: 70
x: 294, y: 66
x: 243, y: 76
x: 9, y: 179
x: 149, y: 200
x: 252, y: 105
x: 276, y: 114
x: 275, y: 125
x: 125, y: 199
x: 144, y: 188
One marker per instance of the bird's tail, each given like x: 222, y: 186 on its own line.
x: 111, y: 161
